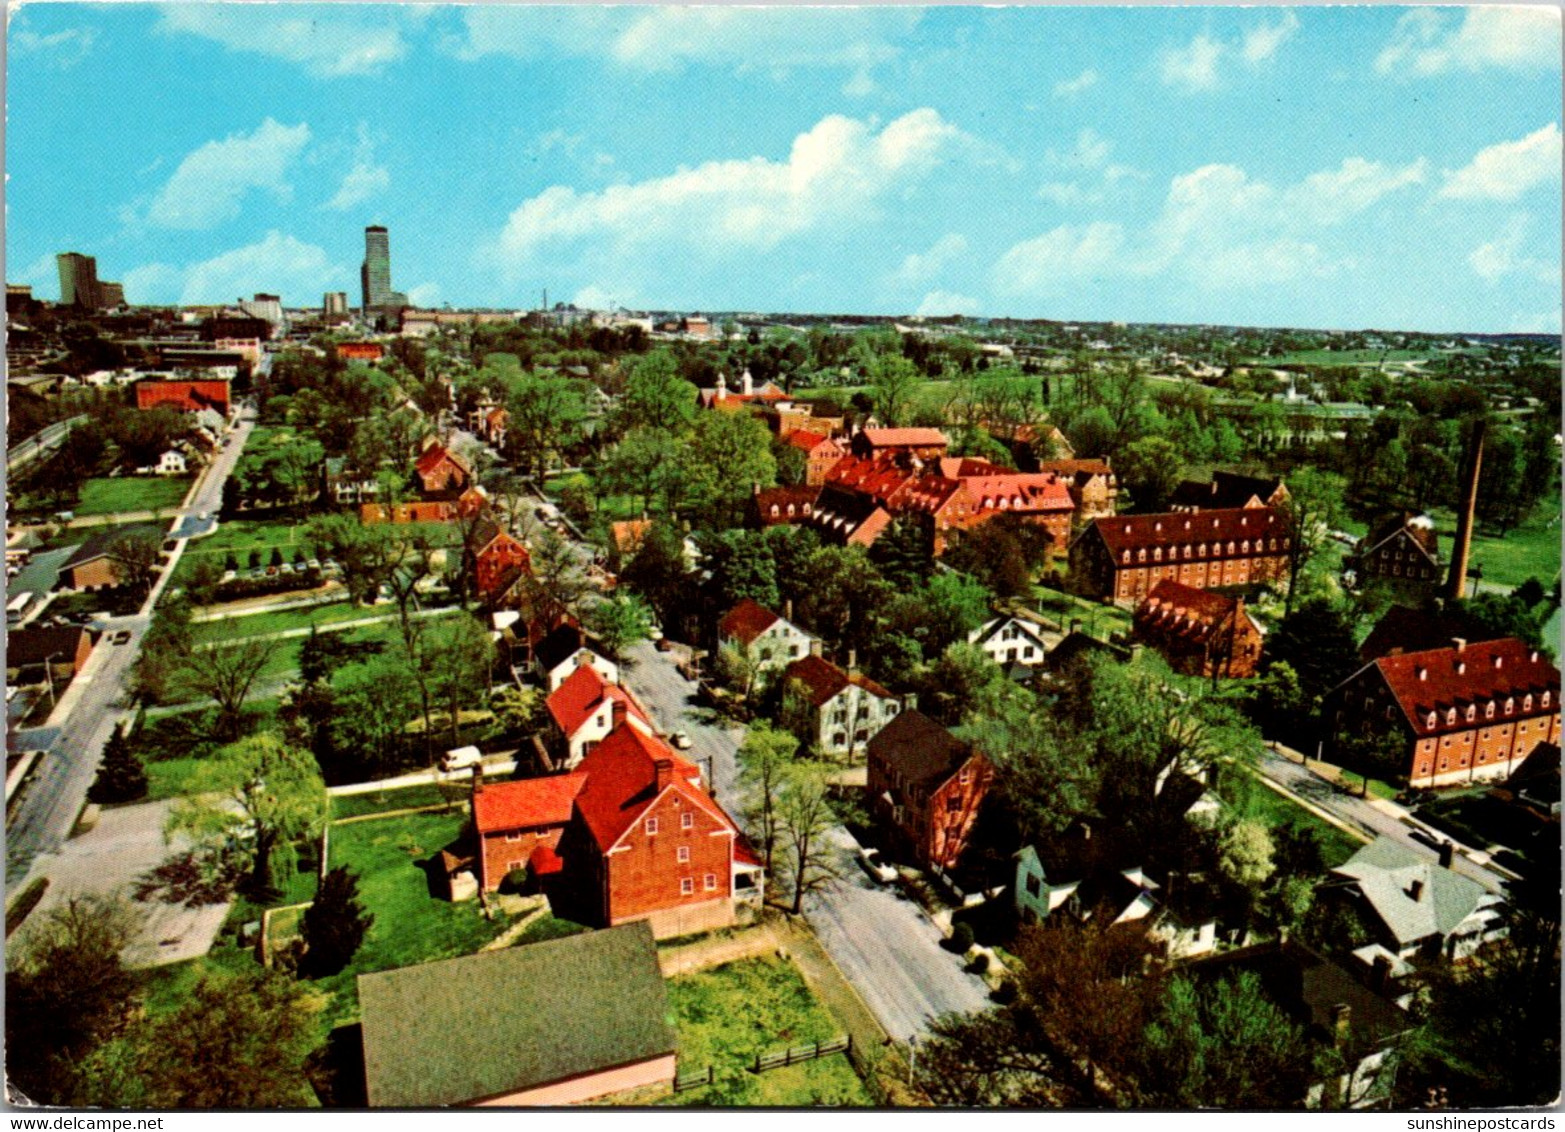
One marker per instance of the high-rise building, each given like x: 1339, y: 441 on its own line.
x: 375, y: 275
x: 334, y: 304
x: 110, y: 295
x: 78, y: 280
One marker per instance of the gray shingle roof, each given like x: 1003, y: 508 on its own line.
x: 1388, y: 871
x: 458, y: 1030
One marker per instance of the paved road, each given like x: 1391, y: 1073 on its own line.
x: 95, y: 702
x: 1371, y: 816
x: 882, y: 942
x: 44, y: 441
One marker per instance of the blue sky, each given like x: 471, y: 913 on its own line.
x: 1336, y: 167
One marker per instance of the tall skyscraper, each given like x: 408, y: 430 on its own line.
x: 335, y: 304
x: 78, y: 280
x: 376, y: 272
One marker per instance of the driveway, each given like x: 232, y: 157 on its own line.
x: 882, y: 942
x: 128, y: 842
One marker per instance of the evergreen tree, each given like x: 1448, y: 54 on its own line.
x: 334, y: 925
x: 121, y: 777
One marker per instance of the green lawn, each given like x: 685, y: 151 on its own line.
x: 259, y: 624
x: 239, y: 537
x: 725, y: 1016
x: 105, y: 496
x: 385, y: 801
x: 1346, y: 357
x: 1096, y: 618
x: 1253, y: 799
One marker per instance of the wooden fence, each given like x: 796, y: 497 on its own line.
x: 842, y: 1043
x: 696, y: 1080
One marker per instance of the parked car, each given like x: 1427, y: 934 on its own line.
x: 680, y: 740
x: 876, y: 866
x: 461, y: 757
x: 120, y: 638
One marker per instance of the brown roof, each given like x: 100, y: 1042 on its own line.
x: 791, y: 502
x: 823, y: 680
x: 1173, y: 607
x: 431, y: 458
x: 746, y: 621
x: 1178, y: 528
x: 1405, y: 629
x: 1420, y: 530
x: 35, y: 644
x: 1439, y: 680
x: 919, y: 748
x: 1076, y: 469
x: 806, y: 441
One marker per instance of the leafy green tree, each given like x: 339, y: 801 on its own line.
x: 547, y: 415
x: 260, y: 793
x: 940, y: 613
x: 729, y: 454
x: 619, y: 622
x: 843, y: 598
x: 893, y: 380
x: 1150, y: 469
x: 238, y: 1042
x: 1314, y: 508
x: 1244, y: 854
x: 804, y: 819
x: 66, y: 992
x: 334, y: 925
x: 225, y: 674
x: 1224, y: 1045
x: 373, y: 703
x: 457, y: 656
x: 955, y: 685
x: 136, y: 556
x: 658, y: 573
x: 765, y: 757
x: 742, y: 566
x: 904, y: 553
x: 1316, y: 640
x: 645, y: 464
x: 121, y: 777
x: 656, y: 396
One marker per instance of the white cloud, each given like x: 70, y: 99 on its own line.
x: 595, y: 298
x: 328, y: 46
x: 210, y: 182
x: 667, y: 38
x: 283, y: 265
x: 1052, y: 263
x: 1194, y: 66
x: 365, y: 180
x: 1504, y: 256
x: 1508, y: 169
x: 835, y: 173
x: 1197, y: 66
x: 1070, y: 88
x: 1068, y: 194
x: 424, y: 294
x: 921, y: 267
x: 63, y: 48
x: 1425, y: 43
x: 1091, y: 152
x: 1334, y: 195
x: 939, y: 303
x: 1261, y: 43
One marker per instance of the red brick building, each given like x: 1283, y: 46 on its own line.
x: 464, y: 506
x: 497, y: 559
x: 1125, y: 557
x: 1093, y: 486
x: 360, y: 351
x: 1198, y: 632
x: 186, y: 396
x: 771, y: 506
x: 630, y: 835
x: 924, y: 787
x: 1468, y: 712
x: 821, y: 454
x: 924, y: 443
x: 441, y: 471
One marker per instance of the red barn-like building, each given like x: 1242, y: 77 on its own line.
x: 1123, y: 558
x: 186, y: 396
x: 925, y: 786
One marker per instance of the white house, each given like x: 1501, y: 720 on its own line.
x: 1010, y: 640
x: 585, y: 708
x: 1424, y: 908
x: 845, y: 710
x: 171, y: 463
x: 606, y: 669
x: 770, y: 641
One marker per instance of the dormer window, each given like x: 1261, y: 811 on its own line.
x: 1527, y: 702
x: 1510, y: 704
x: 1472, y: 712
x: 1545, y: 699
x: 1141, y: 555
x: 1430, y: 721
x: 1157, y: 554
x: 1450, y: 716
x: 1125, y: 558
x: 1488, y: 710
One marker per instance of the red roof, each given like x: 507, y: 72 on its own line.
x: 582, y: 694
x: 792, y: 503
x: 881, y: 477
x: 807, y: 441
x: 1016, y: 491
x: 1438, y: 680
x: 1076, y: 468
x: 528, y: 803
x: 622, y: 782
x: 433, y: 456
x: 746, y: 621
x: 186, y: 396
x: 744, y: 852
x: 1180, y: 528
x: 905, y: 437
x: 823, y: 679
x: 1183, y: 609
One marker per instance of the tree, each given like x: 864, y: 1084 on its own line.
x: 1314, y: 508
x: 1150, y: 469
x: 237, y: 1042
x: 997, y: 1059
x: 555, y: 576
x: 742, y: 566
x: 334, y: 925
x: 66, y: 993
x: 164, y: 650
x: 656, y: 396
x: 804, y: 818
x: 728, y: 456
x: 457, y: 655
x: 619, y: 622
x: 939, y: 614
x: 1244, y: 854
x: 1316, y: 641
x: 136, y: 555
x: 547, y: 413
x: 764, y: 759
x: 1222, y: 1045
x: 904, y: 553
x: 226, y: 673
x: 121, y: 777
x: 658, y: 573
x: 956, y: 683
x: 373, y: 703
x: 260, y: 793
x: 645, y: 464
x: 521, y: 711
x: 892, y: 382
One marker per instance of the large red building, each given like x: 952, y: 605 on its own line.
x: 629, y: 835
x: 1465, y: 713
x: 925, y: 786
x: 1123, y: 558
x: 1198, y: 632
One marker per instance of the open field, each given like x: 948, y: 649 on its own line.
x: 727, y: 1015
x: 110, y: 496
x: 1351, y: 357
x: 285, y: 620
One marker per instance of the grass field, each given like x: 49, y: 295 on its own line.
x: 239, y: 537
x: 1347, y: 357
x: 384, y: 801
x: 1531, y: 550
x: 284, y: 620
x: 1253, y: 799
x: 106, y: 496
x: 725, y: 1016
x: 1096, y: 618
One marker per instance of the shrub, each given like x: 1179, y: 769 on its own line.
x: 961, y: 938
x: 515, y: 881
x: 979, y: 964
x: 1005, y: 993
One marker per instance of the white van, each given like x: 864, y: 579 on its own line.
x: 461, y: 758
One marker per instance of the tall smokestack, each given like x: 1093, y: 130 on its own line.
x: 1456, y: 584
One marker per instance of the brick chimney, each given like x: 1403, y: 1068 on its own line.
x: 1447, y: 854
x: 1415, y: 891
x: 788, y: 611
x: 662, y: 773
x: 1456, y: 583
x: 1380, y: 974
x: 817, y: 646
x: 853, y: 662
x: 617, y: 713
x: 1341, y: 1022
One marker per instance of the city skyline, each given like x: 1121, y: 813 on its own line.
x: 1357, y: 167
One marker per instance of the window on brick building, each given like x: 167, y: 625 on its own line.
x: 686, y: 886
x: 711, y: 882
x: 687, y: 820
x: 651, y: 826
x: 683, y: 854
